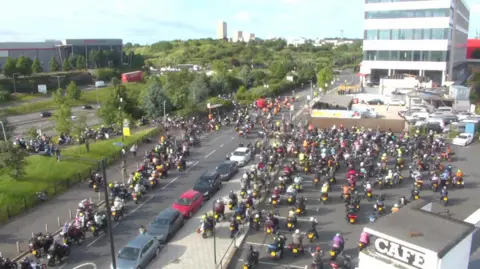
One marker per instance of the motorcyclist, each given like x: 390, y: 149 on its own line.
x: 443, y: 192
x: 297, y: 239
x: 435, y: 179
x: 395, y: 208
x: 314, y: 223
x: 301, y: 203
x: 273, y: 219
x: 389, y: 176
x: 220, y: 208
x: 119, y: 204
x: 233, y: 198
x: 280, y: 239
x: 251, y: 256
x: 415, y: 189
x: 139, y: 188
x: 325, y: 187
x: 338, y: 240
x: 364, y: 238
x: 99, y: 219
x: 234, y: 224
x: 459, y: 173
x: 292, y: 214
x: 317, y: 258
x: 379, y: 203
x: 56, y: 249
x: 346, y: 191
x: 208, y: 222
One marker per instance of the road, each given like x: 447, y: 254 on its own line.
x: 331, y: 217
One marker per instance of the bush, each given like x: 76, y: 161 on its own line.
x: 5, y: 96
x: 106, y: 74
x: 29, y: 84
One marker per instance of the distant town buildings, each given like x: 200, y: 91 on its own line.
x: 222, y: 30
x: 319, y: 42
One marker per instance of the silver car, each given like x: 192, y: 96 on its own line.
x: 138, y: 253
x: 166, y: 225
x: 241, y: 155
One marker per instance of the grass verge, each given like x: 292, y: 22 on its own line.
x: 88, y: 97
x: 45, y: 173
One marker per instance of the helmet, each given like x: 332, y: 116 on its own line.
x: 389, y: 171
x: 297, y: 231
x: 396, y: 205
x: 318, y: 249
x: 338, y: 234
x: 231, y: 192
x: 312, y: 219
x: 245, y: 176
x: 361, y: 164
x: 444, y: 187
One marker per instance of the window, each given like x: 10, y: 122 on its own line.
x: 439, y: 33
x: 416, y: 56
x: 427, y: 34
x: 147, y: 246
x: 395, y: 34
x: 437, y: 56
x: 406, y: 34
x: 394, y: 55
x: 384, y: 34
x: 417, y: 34
x: 383, y: 55
x: 371, y: 34
x: 397, y: 14
x: 405, y: 56
x: 371, y: 56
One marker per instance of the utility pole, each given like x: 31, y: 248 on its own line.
x: 58, y: 80
x: 164, y: 114
x: 109, y: 214
x: 14, y: 83
x: 3, y: 129
x: 122, y: 117
x: 453, y: 44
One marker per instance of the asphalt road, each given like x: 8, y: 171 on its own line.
x: 331, y: 217
x: 213, y: 151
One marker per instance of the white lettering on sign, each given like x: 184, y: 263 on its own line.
x: 400, y: 253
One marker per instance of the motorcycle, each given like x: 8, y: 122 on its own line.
x: 334, y: 253
x: 291, y: 223
x: 295, y: 249
x: 6, y: 263
x: 311, y: 236
x: 136, y: 196
x: 435, y: 187
x: 316, y: 181
x: 274, y: 200
x: 116, y: 214
x: 230, y: 205
x: 352, y: 218
x: 324, y: 197
x: 233, y: 230
x: 361, y: 246
x: 445, y: 200
x: 96, y: 187
x: 369, y: 194
x: 419, y: 184
x: 416, y: 195
x: 256, y: 222
x: 274, y: 251
x: 291, y: 199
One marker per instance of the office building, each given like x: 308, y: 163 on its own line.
x: 248, y: 36
x: 238, y: 37
x: 222, y: 30
x: 60, y: 50
x: 415, y: 37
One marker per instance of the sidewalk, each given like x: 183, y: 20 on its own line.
x: 48, y: 216
x: 190, y: 250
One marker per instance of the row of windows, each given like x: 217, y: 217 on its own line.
x: 399, y: 14
x: 408, y: 34
x: 408, y: 56
x: 389, y: 1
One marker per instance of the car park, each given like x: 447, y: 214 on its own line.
x: 241, y: 155
x: 209, y: 183
x: 166, y: 225
x: 138, y: 253
x: 188, y: 203
x: 227, y: 170
x: 45, y: 114
x: 463, y: 139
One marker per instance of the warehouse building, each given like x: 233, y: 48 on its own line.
x: 44, y: 51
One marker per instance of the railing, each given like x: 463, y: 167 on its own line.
x: 233, y: 243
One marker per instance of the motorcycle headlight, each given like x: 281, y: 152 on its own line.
x: 49, y: 256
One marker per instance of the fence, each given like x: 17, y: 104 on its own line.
x: 228, y: 255
x: 28, y: 202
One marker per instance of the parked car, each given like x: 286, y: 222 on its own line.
x: 188, y: 203
x: 138, y: 253
x: 396, y: 103
x: 463, y: 139
x: 166, y: 225
x: 87, y: 107
x: 241, y: 155
x: 375, y: 102
x: 45, y: 114
x: 227, y: 170
x: 433, y: 126
x: 209, y: 183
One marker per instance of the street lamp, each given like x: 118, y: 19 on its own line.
x: 214, y: 236
x: 122, y: 117
x: 164, y: 118
x: 3, y: 129
x: 14, y: 84
x: 58, y: 80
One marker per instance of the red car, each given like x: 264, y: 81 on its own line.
x: 188, y: 203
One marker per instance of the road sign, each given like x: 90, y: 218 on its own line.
x: 126, y: 123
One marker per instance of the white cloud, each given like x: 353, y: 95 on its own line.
x: 243, y: 16
x: 475, y: 8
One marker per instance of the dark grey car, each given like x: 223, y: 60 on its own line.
x: 227, y: 170
x: 166, y: 225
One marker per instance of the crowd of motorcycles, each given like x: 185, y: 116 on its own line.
x: 373, y: 160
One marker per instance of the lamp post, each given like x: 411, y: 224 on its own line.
x: 58, y: 80
x: 121, y: 107
x: 14, y: 83
x: 164, y: 114
x: 3, y: 130
x: 214, y: 236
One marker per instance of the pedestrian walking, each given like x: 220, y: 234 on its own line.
x: 133, y: 150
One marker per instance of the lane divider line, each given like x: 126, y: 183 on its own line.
x: 191, y: 166
x: 221, y: 145
x: 210, y: 153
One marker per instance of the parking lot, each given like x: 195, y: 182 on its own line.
x: 331, y: 217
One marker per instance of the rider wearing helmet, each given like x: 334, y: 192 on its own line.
x: 339, y: 241
x: 317, y: 257
x: 251, y: 256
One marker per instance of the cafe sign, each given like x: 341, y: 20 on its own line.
x: 392, y: 250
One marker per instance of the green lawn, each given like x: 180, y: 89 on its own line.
x: 88, y: 97
x: 45, y: 173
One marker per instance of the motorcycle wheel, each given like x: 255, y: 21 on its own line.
x: 204, y: 235
x: 95, y: 233
x: 136, y: 202
x: 82, y: 236
x: 51, y: 262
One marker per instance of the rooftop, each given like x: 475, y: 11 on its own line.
x: 334, y: 101
x: 422, y: 228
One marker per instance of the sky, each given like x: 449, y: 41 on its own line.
x: 149, y: 21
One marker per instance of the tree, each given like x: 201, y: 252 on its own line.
x: 59, y: 96
x: 36, y: 66
x: 80, y: 62
x: 9, y: 129
x: 324, y: 76
x: 198, y: 89
x: 115, y: 82
x: 476, y: 54
x: 118, y: 105
x: 73, y: 92
x: 13, y: 159
x: 72, y: 59
x: 24, y: 66
x: 242, y: 93
x: 245, y: 76
x: 79, y: 126
x: 93, y: 58
x: 66, y: 65
x: 10, y: 67
x: 154, y: 101
x: 63, y: 119
x: 53, y: 65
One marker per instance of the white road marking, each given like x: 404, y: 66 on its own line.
x: 173, y: 180
x: 94, y: 266
x: 260, y: 244
x: 233, y: 137
x: 280, y: 265
x: 210, y: 153
x: 221, y: 145
x: 298, y: 218
x: 191, y: 166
